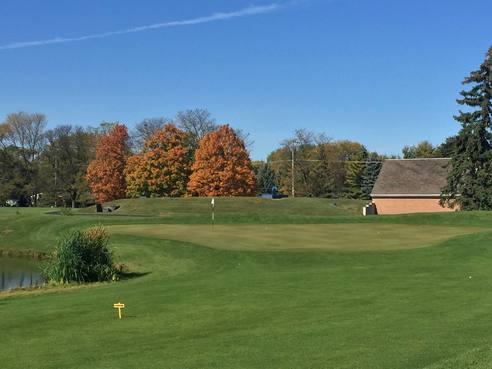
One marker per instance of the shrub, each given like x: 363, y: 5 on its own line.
x: 65, y: 211
x: 82, y: 256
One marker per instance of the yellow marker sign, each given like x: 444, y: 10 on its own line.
x: 119, y: 306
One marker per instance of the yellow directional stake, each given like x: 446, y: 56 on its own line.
x: 119, y: 306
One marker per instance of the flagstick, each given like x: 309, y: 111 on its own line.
x: 213, y: 212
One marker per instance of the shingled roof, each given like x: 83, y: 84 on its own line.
x: 411, y: 178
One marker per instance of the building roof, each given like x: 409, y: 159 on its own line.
x: 411, y: 178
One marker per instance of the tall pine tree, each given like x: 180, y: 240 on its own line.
x: 265, y: 179
x: 470, y: 178
x: 369, y: 177
x: 355, y: 169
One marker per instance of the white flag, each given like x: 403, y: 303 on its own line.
x: 213, y: 202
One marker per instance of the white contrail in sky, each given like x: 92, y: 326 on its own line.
x: 246, y: 12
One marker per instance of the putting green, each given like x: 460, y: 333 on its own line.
x: 345, y: 237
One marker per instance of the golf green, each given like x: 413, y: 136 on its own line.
x: 300, y: 237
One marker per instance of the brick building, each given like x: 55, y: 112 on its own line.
x: 410, y: 186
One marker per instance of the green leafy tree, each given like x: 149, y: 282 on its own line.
x: 322, y: 167
x: 303, y: 148
x: 25, y: 132
x: 65, y: 159
x: 322, y: 172
x: 423, y: 149
x: 279, y: 161
x: 470, y: 178
x: 14, y: 181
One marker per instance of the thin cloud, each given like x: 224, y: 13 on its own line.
x: 246, y: 12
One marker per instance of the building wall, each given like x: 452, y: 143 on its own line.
x: 408, y: 205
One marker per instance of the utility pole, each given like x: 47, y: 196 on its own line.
x: 293, y: 174
x: 292, y: 144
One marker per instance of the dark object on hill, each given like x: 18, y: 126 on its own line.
x: 111, y: 208
x: 273, y: 196
x: 106, y: 209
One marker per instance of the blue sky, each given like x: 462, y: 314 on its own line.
x: 382, y: 72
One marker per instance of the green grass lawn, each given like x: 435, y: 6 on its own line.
x: 290, y: 284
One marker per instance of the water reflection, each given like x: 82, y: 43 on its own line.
x: 15, y: 273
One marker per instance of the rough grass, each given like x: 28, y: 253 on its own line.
x: 198, y: 307
x: 243, y: 205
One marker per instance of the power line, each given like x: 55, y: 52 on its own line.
x: 328, y: 161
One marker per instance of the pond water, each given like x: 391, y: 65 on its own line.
x: 16, y: 273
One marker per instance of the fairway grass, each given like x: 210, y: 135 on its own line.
x: 264, y: 289
x: 276, y: 237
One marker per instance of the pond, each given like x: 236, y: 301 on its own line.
x: 15, y: 273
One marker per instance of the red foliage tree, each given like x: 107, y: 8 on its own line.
x: 222, y: 166
x: 105, y: 174
x: 163, y: 168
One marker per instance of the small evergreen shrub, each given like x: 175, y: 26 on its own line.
x: 82, y: 256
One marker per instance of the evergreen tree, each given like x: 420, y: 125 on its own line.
x: 265, y: 179
x: 446, y: 149
x: 369, y: 177
x: 354, y: 180
x: 64, y: 164
x: 470, y: 178
x: 355, y: 168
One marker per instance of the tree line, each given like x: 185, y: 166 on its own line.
x: 189, y: 155
x: 192, y: 155
x: 73, y: 166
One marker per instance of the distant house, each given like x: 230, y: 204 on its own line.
x: 410, y: 186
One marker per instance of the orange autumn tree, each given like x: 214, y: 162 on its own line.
x: 136, y: 174
x: 164, y: 166
x: 105, y: 174
x: 222, y: 166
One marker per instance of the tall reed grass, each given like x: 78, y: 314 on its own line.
x: 82, y: 256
